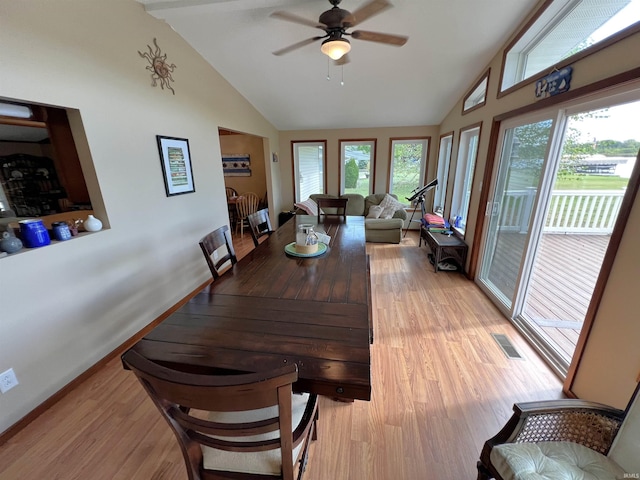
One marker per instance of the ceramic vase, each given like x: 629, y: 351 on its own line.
x: 10, y: 243
x: 34, y: 234
x: 92, y: 224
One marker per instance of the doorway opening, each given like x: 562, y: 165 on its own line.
x: 244, y: 169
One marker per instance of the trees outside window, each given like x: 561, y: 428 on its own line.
x: 408, y: 166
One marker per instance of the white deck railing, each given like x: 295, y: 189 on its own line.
x: 570, y: 211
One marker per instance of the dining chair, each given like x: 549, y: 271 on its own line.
x: 232, y: 195
x: 233, y: 426
x: 259, y: 225
x: 230, y: 192
x: 246, y: 204
x: 332, y: 206
x: 211, y: 243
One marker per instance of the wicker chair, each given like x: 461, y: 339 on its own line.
x: 563, y: 439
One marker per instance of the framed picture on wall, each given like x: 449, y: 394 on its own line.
x: 236, y: 164
x: 176, y: 165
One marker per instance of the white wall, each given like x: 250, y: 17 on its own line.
x: 65, y: 306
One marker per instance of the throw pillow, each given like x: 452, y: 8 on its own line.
x: 374, y: 211
x: 309, y: 206
x: 389, y: 206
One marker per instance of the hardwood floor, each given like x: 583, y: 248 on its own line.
x: 441, y: 387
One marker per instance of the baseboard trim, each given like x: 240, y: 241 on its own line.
x: 53, y: 399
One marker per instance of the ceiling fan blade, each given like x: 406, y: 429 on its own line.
x: 342, y: 60
x: 365, y: 12
x: 295, y: 46
x: 290, y: 17
x: 388, y: 38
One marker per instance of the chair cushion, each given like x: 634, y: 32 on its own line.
x: 552, y: 461
x: 267, y: 462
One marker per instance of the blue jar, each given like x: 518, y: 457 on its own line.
x: 61, y: 231
x: 34, y: 234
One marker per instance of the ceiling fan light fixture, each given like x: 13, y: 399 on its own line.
x: 335, y: 48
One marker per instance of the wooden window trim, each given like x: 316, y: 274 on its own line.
x: 485, y: 75
x: 607, y: 42
x: 452, y: 134
x: 426, y: 159
x: 462, y: 130
x: 373, y: 159
x: 293, y: 164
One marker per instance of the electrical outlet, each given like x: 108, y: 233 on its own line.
x: 8, y: 380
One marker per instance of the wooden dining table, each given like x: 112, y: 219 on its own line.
x: 273, y: 308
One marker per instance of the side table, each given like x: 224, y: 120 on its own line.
x: 443, y: 247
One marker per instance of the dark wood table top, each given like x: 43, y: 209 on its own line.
x: 271, y: 309
x: 444, y: 240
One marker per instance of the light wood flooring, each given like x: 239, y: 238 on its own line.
x: 441, y: 387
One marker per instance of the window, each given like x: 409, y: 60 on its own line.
x: 563, y: 29
x: 308, y: 168
x: 357, y: 159
x: 478, y: 95
x: 408, y: 166
x: 467, y: 154
x: 444, y: 158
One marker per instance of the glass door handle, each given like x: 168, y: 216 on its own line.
x: 492, y: 209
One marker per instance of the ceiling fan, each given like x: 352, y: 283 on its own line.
x: 335, y: 23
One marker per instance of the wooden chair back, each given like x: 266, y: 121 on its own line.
x: 211, y: 242
x: 247, y: 204
x: 259, y: 224
x: 332, y: 206
x: 231, y: 192
x: 201, y: 408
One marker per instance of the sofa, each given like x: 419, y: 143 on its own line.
x: 377, y: 230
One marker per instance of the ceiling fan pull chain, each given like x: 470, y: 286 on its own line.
x: 342, y: 79
x: 328, y: 68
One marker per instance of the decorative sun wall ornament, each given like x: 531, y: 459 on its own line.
x: 158, y: 66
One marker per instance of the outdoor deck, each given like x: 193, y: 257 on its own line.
x: 562, y: 285
x: 562, y: 282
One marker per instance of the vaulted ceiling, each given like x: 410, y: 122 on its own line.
x: 450, y: 43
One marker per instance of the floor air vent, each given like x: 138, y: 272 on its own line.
x: 506, y: 345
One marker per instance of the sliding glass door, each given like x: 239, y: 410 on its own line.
x: 559, y: 180
x: 524, y: 148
